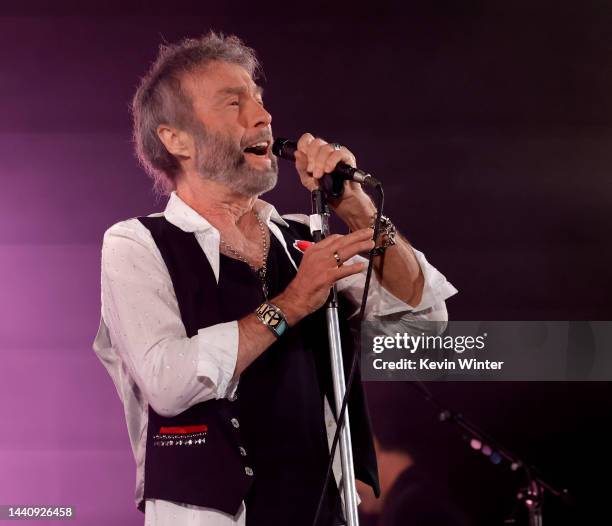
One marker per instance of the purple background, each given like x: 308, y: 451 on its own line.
x: 490, y: 128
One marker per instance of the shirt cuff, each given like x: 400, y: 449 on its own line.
x: 218, y: 352
x: 436, y: 289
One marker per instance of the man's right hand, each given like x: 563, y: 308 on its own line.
x: 319, y: 270
x: 307, y: 292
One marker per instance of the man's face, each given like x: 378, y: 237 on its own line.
x: 230, y: 120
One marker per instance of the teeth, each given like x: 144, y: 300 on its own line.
x: 263, y: 144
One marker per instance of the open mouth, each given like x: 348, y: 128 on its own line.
x: 259, y: 148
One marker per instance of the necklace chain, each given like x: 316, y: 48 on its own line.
x: 259, y: 272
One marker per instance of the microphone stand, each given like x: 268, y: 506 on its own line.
x: 320, y: 218
x: 533, y: 493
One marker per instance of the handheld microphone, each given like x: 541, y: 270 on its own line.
x: 332, y: 183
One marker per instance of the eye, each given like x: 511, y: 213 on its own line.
x: 234, y: 103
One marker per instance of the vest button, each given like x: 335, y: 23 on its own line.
x: 242, y: 451
x: 248, y: 471
x: 235, y: 422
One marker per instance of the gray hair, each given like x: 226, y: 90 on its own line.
x: 160, y: 98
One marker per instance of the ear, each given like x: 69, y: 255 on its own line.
x: 177, y: 142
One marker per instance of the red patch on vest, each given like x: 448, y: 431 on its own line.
x: 182, y: 430
x: 302, y: 245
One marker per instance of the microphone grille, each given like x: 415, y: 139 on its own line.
x: 284, y: 148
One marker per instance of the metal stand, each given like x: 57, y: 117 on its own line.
x: 320, y: 209
x: 530, y: 496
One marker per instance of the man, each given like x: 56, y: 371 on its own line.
x: 413, y: 464
x: 408, y: 494
x: 225, y: 406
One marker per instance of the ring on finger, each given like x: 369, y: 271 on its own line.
x: 336, y: 146
x: 337, y: 258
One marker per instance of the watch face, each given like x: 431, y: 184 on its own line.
x: 272, y: 317
x: 269, y: 315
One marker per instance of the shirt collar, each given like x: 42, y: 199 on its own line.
x: 187, y: 219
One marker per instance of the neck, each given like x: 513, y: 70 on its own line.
x: 218, y: 204
x: 398, y: 462
x: 391, y: 465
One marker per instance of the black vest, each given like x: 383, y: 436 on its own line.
x: 269, y: 446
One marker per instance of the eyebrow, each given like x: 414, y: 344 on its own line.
x: 237, y: 91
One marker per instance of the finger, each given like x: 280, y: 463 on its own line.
x: 349, y: 270
x: 354, y: 237
x: 300, y: 165
x: 312, y: 152
x: 328, y: 241
x: 337, y: 156
x: 322, y: 155
x: 304, y: 141
x: 337, y: 241
x: 353, y: 243
x: 301, y: 161
x: 353, y: 249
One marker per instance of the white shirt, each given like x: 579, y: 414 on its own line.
x: 143, y: 344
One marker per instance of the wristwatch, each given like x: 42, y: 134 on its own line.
x: 273, y: 318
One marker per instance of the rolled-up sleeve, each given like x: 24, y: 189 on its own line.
x: 140, y: 308
x: 382, y: 305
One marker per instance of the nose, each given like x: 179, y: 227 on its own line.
x: 260, y: 117
x: 265, y: 118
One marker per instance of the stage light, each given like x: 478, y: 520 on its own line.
x: 496, y: 458
x: 475, y: 444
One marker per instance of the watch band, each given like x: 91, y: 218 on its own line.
x: 273, y: 318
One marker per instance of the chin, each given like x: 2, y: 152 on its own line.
x: 257, y: 184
